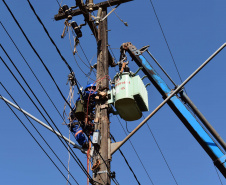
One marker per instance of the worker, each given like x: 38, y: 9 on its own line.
x: 80, y: 137
x: 81, y: 122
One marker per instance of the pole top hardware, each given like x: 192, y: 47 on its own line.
x: 62, y: 15
x: 71, y: 79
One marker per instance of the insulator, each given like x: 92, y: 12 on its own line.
x: 65, y: 8
x: 76, y: 29
x: 98, y: 15
x: 90, y: 5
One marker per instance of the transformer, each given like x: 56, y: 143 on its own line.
x: 129, y: 96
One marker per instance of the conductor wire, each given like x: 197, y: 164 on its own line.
x: 36, y: 131
x: 166, y: 40
x: 161, y: 151
x: 78, y: 161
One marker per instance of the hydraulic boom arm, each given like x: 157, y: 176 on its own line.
x: 215, y: 150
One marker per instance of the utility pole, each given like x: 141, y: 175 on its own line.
x: 101, y: 108
x: 102, y: 153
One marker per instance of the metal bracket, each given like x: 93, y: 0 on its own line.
x: 113, y: 9
x: 135, y: 51
x: 102, y: 172
x: 104, y: 106
x: 114, y: 145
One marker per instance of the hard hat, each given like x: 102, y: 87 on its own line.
x: 90, y: 85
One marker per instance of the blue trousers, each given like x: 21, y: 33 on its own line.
x: 79, y: 135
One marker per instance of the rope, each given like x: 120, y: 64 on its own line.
x: 88, y: 158
x: 70, y: 96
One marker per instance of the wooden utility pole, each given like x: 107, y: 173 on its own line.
x: 102, y: 153
x: 101, y: 108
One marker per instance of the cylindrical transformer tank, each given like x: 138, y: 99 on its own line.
x: 130, y: 96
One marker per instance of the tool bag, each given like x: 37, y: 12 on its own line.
x: 80, y: 110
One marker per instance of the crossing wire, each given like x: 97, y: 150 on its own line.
x: 34, y: 138
x: 218, y: 175
x: 165, y: 40
x: 37, y: 131
x: 87, y: 59
x: 39, y: 55
x: 161, y: 152
x: 77, y: 159
x: 31, y: 70
x: 87, y: 75
x: 46, y: 31
x: 69, y: 67
x: 136, y: 153
x: 36, y: 52
x: 126, y: 161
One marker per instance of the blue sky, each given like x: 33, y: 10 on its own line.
x: 194, y: 30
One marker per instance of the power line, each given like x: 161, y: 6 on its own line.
x: 37, y: 53
x: 89, y: 63
x: 34, y: 49
x: 218, y: 175
x: 69, y: 67
x: 87, y: 75
x: 87, y: 58
x: 165, y: 40
x: 37, y: 131
x: 161, y: 152
x: 31, y: 70
x: 126, y: 162
x: 58, y: 3
x: 77, y: 159
x: 136, y: 153
x: 36, y: 141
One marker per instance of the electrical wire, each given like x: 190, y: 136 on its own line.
x: 37, y: 53
x: 107, y: 77
x: 126, y: 161
x: 75, y: 51
x: 87, y: 58
x: 115, y: 181
x: 153, y: 58
x: 33, y: 47
x: 127, y: 128
x: 87, y: 75
x: 161, y: 152
x: 58, y: 3
x: 35, y: 140
x: 69, y: 67
x: 201, y: 124
x: 77, y: 159
x: 218, y: 175
x: 125, y: 23
x: 166, y: 40
x: 37, y: 131
x: 82, y: 61
x: 31, y: 70
x: 136, y: 153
